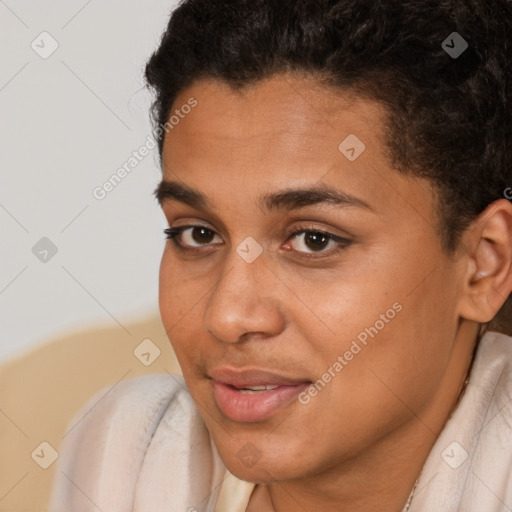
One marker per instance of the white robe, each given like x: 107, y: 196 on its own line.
x: 142, y: 446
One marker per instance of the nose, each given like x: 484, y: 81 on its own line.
x: 245, y: 302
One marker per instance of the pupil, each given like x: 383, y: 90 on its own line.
x: 204, y: 235
x: 316, y: 240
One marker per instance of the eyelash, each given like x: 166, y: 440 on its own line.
x: 174, y: 233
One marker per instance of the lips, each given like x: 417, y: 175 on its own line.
x: 252, y: 377
x: 253, y: 395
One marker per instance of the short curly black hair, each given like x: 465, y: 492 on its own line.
x: 449, y: 115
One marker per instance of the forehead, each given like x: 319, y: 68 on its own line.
x: 299, y: 110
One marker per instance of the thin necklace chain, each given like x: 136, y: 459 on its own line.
x: 409, y: 499
x: 405, y: 509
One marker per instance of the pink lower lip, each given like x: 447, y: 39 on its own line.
x: 255, y: 407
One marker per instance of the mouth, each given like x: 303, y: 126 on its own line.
x: 253, y: 395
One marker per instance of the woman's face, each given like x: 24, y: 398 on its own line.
x: 314, y: 267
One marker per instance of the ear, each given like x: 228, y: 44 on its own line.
x: 487, y: 248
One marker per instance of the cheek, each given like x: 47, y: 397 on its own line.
x: 393, y: 325
x: 179, y: 302
x: 404, y: 350
x: 179, y: 290
x: 170, y: 288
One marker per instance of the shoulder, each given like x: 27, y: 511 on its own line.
x: 490, y: 460
x: 141, y: 398
x: 128, y: 408
x: 490, y: 383
x: 493, y: 362
x: 103, y: 449
x: 496, y: 344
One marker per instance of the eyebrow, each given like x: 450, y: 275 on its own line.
x: 288, y: 199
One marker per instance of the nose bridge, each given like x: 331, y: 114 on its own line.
x: 240, y: 302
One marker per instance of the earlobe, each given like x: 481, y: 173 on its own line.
x: 489, y: 271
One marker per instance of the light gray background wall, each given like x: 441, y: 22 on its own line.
x: 67, y: 123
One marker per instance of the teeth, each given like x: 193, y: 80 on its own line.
x: 251, y: 390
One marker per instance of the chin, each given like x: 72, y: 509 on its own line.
x: 247, y: 461
x: 264, y: 471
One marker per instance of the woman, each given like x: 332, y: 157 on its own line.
x: 337, y: 280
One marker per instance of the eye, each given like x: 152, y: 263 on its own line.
x: 313, y: 241
x: 191, y: 236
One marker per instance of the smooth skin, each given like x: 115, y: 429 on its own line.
x: 360, y: 443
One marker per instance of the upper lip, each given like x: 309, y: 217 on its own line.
x: 240, y: 378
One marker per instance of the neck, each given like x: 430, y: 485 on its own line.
x: 383, y: 476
